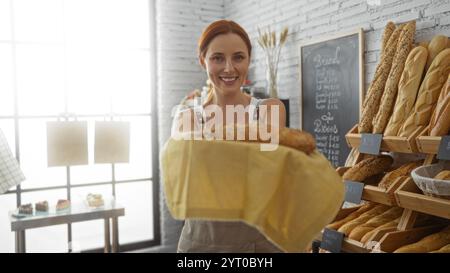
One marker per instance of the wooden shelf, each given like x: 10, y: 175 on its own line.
x: 350, y: 246
x: 409, y: 196
x: 428, y: 144
x: 395, y: 239
x: 381, y: 195
x: 378, y: 194
x: 389, y: 143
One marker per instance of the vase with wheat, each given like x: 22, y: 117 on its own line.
x: 272, y: 48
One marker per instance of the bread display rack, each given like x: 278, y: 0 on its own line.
x: 418, y: 135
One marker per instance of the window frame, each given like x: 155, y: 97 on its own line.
x: 153, y: 180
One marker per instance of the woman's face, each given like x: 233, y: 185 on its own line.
x: 226, y: 62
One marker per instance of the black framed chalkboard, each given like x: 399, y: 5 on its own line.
x: 331, y: 84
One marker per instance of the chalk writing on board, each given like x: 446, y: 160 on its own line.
x: 330, y: 93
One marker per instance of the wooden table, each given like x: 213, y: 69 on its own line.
x: 79, y: 212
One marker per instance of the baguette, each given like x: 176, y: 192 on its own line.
x: 404, y: 46
x: 440, y: 120
x: 443, y: 175
x: 369, y: 234
x: 407, y: 89
x: 358, y: 232
x: 293, y: 138
x: 403, y: 170
x: 436, y: 45
x: 444, y: 249
x: 388, y: 30
x: 368, y: 167
x: 428, y: 94
x: 349, y: 226
x: 376, y: 87
x: 424, y: 44
x: 429, y: 243
x: 366, y: 207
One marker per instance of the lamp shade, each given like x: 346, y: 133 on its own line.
x: 67, y: 143
x: 112, y: 142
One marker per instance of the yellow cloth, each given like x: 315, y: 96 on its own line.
x: 288, y: 195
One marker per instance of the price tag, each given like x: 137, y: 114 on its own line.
x: 353, y: 191
x: 444, y: 148
x: 370, y: 144
x: 332, y: 240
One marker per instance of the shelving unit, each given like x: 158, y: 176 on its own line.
x: 402, y: 193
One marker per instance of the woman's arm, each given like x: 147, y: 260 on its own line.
x: 273, y: 105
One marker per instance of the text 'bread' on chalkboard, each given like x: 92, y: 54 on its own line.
x: 331, y: 75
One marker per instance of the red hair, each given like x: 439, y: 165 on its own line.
x: 218, y: 28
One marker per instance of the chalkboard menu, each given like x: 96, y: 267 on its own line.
x: 331, y: 77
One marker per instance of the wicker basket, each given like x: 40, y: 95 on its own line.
x: 423, y: 177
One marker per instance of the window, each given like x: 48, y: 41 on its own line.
x: 91, y: 60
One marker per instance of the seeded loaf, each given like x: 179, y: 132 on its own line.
x: 403, y: 170
x: 407, y: 89
x: 404, y: 46
x: 376, y: 87
x: 436, y: 45
x: 440, y: 120
x: 368, y: 167
x: 428, y: 94
x: 388, y: 30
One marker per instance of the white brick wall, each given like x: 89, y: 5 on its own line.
x: 310, y: 19
x: 180, y: 23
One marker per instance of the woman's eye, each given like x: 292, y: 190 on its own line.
x: 217, y: 58
x: 239, y: 57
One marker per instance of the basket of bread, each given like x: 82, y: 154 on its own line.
x: 433, y: 180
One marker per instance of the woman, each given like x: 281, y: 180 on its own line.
x: 224, y: 52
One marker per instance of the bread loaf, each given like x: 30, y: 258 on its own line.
x: 404, y: 46
x: 368, y: 167
x: 436, y: 45
x: 351, y: 216
x: 403, y: 170
x: 293, y: 138
x: 376, y: 88
x: 444, y: 249
x: 388, y: 30
x: 358, y: 232
x: 443, y: 175
x: 407, y: 89
x: 425, y: 45
x: 440, y: 120
x: 369, y: 234
x: 429, y: 243
x: 348, y: 227
x: 428, y: 94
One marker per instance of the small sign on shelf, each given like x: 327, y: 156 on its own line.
x: 444, y: 148
x: 353, y: 191
x: 370, y: 144
x: 332, y: 240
